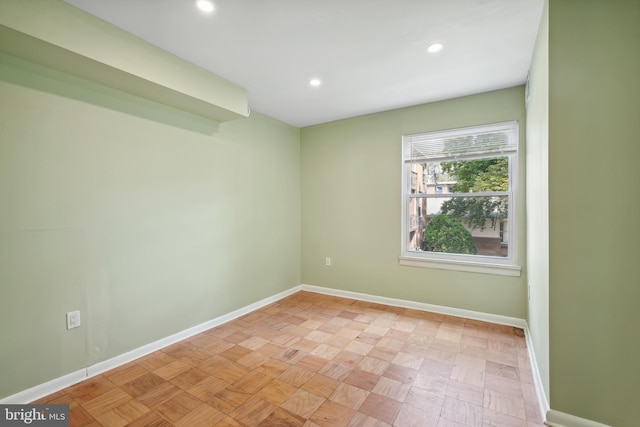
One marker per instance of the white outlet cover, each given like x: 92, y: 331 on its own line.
x: 73, y: 319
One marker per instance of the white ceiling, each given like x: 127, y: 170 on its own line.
x: 370, y: 54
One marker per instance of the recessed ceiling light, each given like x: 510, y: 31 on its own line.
x: 315, y: 82
x: 435, y: 47
x: 205, y: 5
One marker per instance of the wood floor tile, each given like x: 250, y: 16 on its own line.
x: 312, y: 363
x: 473, y: 350
x: 497, y: 419
x: 502, y: 370
x: 277, y: 391
x: 412, y: 416
x: 172, y: 369
x: 359, y: 347
x: 321, y: 385
x: 90, y: 389
x: 391, y: 388
x: 125, y: 374
x: 465, y: 392
x: 505, y: 404
x: 218, y: 346
x: 206, y: 389
x: 501, y: 346
x: 312, y: 360
x: 254, y: 359
x: 336, y: 371
x: 349, y: 395
x: 189, y: 378
x: 123, y: 414
x: 532, y: 411
x: 348, y: 358
x: 434, y: 367
x: 79, y: 417
x: 332, y: 414
x: 303, y: 403
x: 142, y: 384
x: 503, y: 385
x: 252, y: 382
x: 432, y: 384
x: 467, y: 375
x: 283, y: 418
x: 502, y: 357
x: 228, y: 399
x: 382, y: 353
x: 442, y: 356
x: 291, y: 355
x: 253, y: 411
x: 254, y: 342
x: 462, y: 412
x: 202, y: 415
x: 178, y: 406
x: 273, y: 367
x: 408, y: 360
x: 234, y: 353
x: 150, y: 419
x: 418, y: 396
x: 362, y: 420
x: 106, y: 401
x: 155, y: 360
x: 373, y: 365
x: 380, y: 407
x: 231, y: 372
x: 191, y: 355
x: 296, y: 376
x: 158, y: 395
x: 362, y: 379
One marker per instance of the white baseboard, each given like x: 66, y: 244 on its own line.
x: 543, y: 400
x: 451, y: 311
x: 560, y: 419
x: 45, y: 389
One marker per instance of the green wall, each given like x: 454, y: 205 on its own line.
x: 351, y: 206
x: 147, y: 220
x: 538, y: 201
x: 594, y: 90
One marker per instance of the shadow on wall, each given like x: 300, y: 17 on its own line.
x: 24, y: 73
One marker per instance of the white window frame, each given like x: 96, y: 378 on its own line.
x: 474, y: 263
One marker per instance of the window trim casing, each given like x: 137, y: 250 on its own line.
x: 506, y: 266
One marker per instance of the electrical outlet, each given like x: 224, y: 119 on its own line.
x: 327, y: 261
x: 73, y: 319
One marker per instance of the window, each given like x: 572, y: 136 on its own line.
x: 471, y: 225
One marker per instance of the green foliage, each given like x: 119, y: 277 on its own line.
x: 444, y: 234
x: 474, y: 176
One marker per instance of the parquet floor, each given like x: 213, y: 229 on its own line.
x: 315, y: 360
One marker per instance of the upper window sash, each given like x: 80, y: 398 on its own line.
x: 458, y: 144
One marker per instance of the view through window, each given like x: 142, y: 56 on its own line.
x: 459, y: 193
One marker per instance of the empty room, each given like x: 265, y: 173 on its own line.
x: 346, y: 213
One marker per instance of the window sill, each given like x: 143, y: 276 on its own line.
x: 473, y: 267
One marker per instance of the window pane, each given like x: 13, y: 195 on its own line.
x: 459, y: 225
x: 473, y: 176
